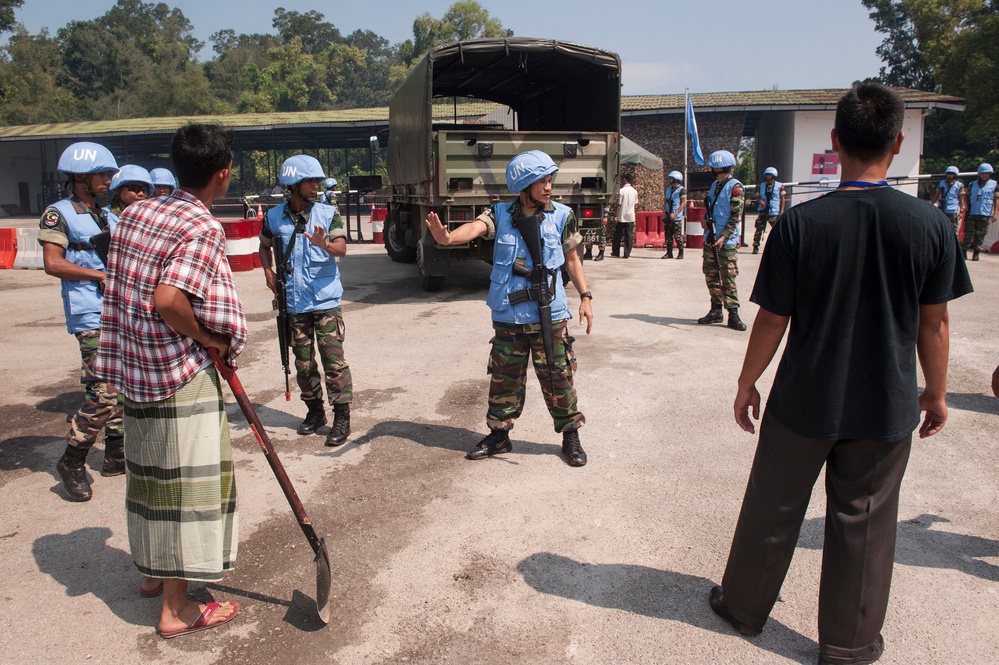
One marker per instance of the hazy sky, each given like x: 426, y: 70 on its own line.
x: 665, y: 45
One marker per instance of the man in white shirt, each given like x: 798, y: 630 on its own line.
x: 625, y: 218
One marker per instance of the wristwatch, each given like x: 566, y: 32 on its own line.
x: 586, y: 294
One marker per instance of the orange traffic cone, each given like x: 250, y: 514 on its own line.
x: 260, y: 213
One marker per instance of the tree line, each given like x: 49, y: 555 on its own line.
x: 951, y: 47
x: 142, y: 60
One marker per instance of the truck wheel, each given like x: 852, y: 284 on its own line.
x: 395, y: 240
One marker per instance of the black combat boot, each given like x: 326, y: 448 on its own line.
x: 315, y: 419
x: 734, y: 322
x: 572, y: 449
x: 74, y: 473
x: 668, y: 254
x: 679, y: 253
x: 495, y: 443
x: 114, y: 456
x: 340, y: 429
x: 588, y: 254
x: 756, y: 249
x: 600, y: 255
x: 974, y: 256
x: 714, y: 316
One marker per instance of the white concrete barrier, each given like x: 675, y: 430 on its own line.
x: 29, y: 252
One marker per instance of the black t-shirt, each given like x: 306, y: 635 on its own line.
x: 851, y: 270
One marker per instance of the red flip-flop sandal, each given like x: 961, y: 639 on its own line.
x: 201, y: 623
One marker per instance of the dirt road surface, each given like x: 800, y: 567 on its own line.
x: 516, y: 559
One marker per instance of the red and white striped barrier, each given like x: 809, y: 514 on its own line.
x: 242, y: 244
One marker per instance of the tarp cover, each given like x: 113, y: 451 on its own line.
x: 551, y: 85
x: 632, y: 153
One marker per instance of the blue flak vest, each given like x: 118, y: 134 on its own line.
x: 673, y: 198
x: 81, y: 299
x: 314, y: 282
x: 770, y: 204
x: 981, y: 197
x: 950, y: 197
x: 508, y: 247
x: 723, y: 210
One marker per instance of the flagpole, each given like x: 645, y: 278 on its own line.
x: 686, y: 124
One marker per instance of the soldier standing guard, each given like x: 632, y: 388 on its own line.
x: 674, y: 208
x: 770, y: 198
x: 724, y: 204
x: 982, y: 210
x: 313, y: 292
x: 950, y: 196
x: 66, y: 234
x: 517, y: 327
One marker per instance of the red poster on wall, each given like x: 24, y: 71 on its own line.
x: 825, y: 164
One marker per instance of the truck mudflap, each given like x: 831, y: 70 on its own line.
x: 434, y: 265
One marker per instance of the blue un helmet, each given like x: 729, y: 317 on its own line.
x: 329, y: 183
x: 770, y: 171
x: 163, y: 177
x: 721, y: 159
x: 527, y: 168
x: 132, y: 173
x: 298, y: 168
x: 676, y: 175
x: 985, y: 168
x: 85, y: 158
x: 952, y: 169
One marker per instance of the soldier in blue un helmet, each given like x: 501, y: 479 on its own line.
x: 130, y: 184
x: 770, y: 198
x: 312, y: 237
x: 517, y: 331
x: 674, y: 209
x: 983, y: 207
x: 67, y: 232
x: 724, y: 204
x: 164, y: 182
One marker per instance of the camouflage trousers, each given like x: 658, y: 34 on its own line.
x: 975, y: 228
x: 101, y: 408
x: 327, y: 327
x: 955, y: 220
x: 511, y: 346
x: 676, y: 233
x: 761, y: 228
x: 722, y: 292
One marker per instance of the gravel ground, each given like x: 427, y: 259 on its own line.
x: 516, y: 559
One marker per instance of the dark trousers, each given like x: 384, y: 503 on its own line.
x: 862, y: 487
x: 627, y: 229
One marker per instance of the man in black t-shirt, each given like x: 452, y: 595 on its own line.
x: 863, y: 276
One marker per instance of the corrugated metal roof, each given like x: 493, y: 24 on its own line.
x: 634, y: 104
x: 772, y: 98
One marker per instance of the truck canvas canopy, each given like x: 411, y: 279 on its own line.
x: 550, y: 85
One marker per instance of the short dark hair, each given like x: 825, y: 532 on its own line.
x: 199, y: 151
x: 626, y: 177
x: 869, y: 120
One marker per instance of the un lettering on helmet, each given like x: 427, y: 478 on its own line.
x: 85, y: 153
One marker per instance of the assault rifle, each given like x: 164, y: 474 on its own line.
x: 542, y: 288
x: 711, y: 239
x: 281, y: 270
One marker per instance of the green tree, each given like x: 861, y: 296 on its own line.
x: 315, y: 34
x: 465, y: 19
x: 7, y: 20
x: 234, y: 53
x: 294, y: 81
x: 29, y: 93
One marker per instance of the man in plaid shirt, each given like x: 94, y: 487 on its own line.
x: 170, y: 295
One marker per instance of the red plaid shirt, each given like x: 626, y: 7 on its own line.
x: 166, y: 240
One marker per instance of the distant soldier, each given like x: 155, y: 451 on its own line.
x: 130, y: 184
x: 517, y: 337
x: 951, y: 197
x: 982, y: 210
x: 770, y: 198
x: 724, y: 204
x: 163, y: 182
x: 329, y: 196
x: 67, y: 235
x: 674, y: 208
x: 312, y: 236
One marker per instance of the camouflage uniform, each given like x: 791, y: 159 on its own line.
x: 101, y: 403
x: 507, y: 367
x: 675, y: 230
x: 765, y: 216
x: 328, y: 328
x: 723, y: 290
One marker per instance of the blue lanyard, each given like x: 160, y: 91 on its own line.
x: 861, y: 183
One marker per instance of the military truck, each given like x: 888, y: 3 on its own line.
x: 536, y: 94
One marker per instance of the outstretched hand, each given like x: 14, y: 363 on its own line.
x: 317, y: 237
x: 437, y: 229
